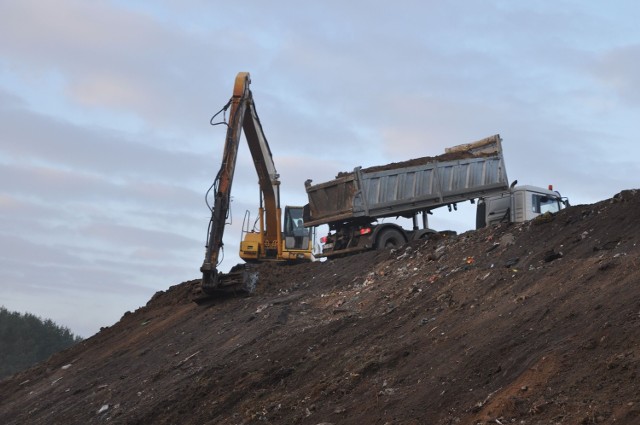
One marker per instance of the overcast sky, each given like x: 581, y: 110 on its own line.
x: 106, y: 150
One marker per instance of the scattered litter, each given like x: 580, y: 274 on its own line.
x: 387, y: 391
x: 437, y: 254
x: 261, y: 308
x: 189, y: 357
x: 511, y: 262
x: 426, y: 320
x: 551, y: 255
x: 494, y: 246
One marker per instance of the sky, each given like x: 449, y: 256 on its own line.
x: 106, y: 150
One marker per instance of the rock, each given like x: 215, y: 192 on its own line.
x: 103, y: 409
x: 507, y: 239
x: 607, y: 245
x: 551, y: 255
x: 511, y: 262
x: 625, y: 195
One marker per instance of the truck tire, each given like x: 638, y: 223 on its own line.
x: 390, y: 238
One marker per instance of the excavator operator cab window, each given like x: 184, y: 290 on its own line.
x: 296, y: 235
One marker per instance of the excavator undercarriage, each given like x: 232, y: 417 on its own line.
x: 240, y: 281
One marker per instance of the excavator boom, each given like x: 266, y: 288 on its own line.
x: 223, y: 182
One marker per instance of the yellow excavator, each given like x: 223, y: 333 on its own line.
x: 267, y: 239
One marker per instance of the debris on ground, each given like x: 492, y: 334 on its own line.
x: 533, y: 323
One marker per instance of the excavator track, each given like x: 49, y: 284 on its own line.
x: 238, y: 282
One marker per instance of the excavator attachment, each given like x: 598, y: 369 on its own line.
x: 240, y: 281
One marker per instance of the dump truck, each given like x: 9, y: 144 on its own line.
x: 354, y: 204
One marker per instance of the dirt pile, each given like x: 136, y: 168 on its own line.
x: 484, y: 148
x: 536, y: 323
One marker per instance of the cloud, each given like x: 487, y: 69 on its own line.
x: 131, y: 237
x: 35, y: 138
x: 111, y: 57
x: 618, y: 70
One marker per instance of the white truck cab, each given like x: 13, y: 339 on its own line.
x: 518, y: 204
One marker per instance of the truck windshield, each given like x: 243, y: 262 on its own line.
x: 541, y: 204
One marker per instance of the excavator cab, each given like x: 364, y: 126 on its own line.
x: 293, y: 243
x: 295, y: 235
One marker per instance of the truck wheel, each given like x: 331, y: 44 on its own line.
x: 390, y: 238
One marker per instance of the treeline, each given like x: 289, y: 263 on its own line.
x: 26, y: 339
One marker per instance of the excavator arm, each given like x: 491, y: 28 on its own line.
x: 242, y: 116
x: 268, y: 177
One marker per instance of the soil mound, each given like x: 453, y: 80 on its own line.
x: 537, y: 323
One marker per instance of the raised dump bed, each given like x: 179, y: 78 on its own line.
x: 404, y: 188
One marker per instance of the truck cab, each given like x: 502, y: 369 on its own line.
x: 518, y: 204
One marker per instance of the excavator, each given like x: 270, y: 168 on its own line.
x: 270, y: 241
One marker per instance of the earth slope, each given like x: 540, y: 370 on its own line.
x: 537, y: 323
